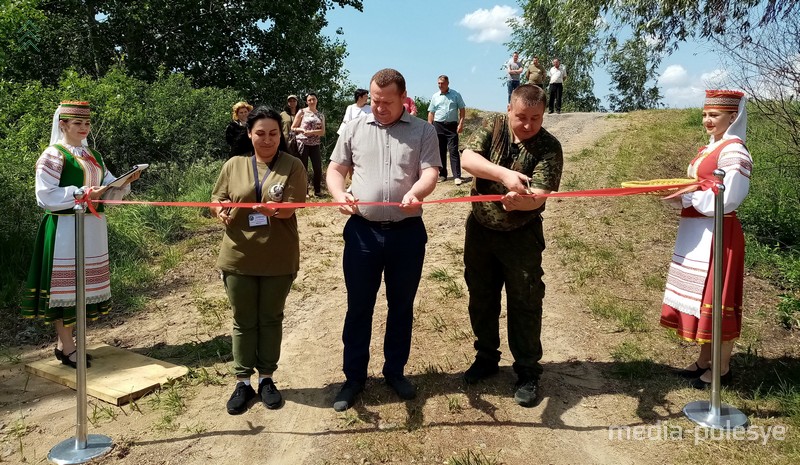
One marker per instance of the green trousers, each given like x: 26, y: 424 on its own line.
x: 492, y: 260
x: 257, y: 303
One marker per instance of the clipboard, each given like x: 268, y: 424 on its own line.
x: 120, y: 181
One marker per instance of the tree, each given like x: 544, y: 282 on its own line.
x: 767, y: 69
x: 548, y: 32
x: 262, y: 48
x: 577, y: 30
x: 631, y: 68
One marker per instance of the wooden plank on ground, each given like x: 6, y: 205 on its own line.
x: 116, y: 376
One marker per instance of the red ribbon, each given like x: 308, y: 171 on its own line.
x: 608, y: 192
x: 90, y: 204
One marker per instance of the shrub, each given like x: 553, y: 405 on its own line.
x: 167, y: 123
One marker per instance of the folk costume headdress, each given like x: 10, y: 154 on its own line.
x: 68, y: 110
x: 732, y: 101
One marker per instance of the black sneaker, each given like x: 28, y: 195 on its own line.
x: 481, y: 368
x: 241, y: 396
x: 527, y: 392
x: 270, y: 395
x: 402, y: 386
x: 347, y: 396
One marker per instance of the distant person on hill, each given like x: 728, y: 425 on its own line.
x: 287, y: 118
x: 535, y: 74
x: 504, y: 240
x: 64, y: 167
x: 309, y: 125
x: 357, y: 109
x: 260, y: 253
x: 689, y: 292
x: 558, y: 73
x: 514, y: 68
x: 236, y: 132
x: 392, y: 157
x: 446, y: 112
x: 410, y: 106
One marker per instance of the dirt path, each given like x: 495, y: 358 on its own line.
x: 569, y: 426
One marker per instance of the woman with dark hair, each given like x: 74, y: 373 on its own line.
x: 689, y: 291
x: 64, y: 167
x: 260, y: 253
x: 309, y: 124
x: 236, y: 132
x: 357, y: 109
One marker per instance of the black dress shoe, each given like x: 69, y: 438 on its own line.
x: 527, y: 394
x: 724, y: 380
x: 690, y: 374
x: 66, y: 359
x: 347, y: 395
x: 401, y: 386
x: 481, y: 368
x: 60, y: 355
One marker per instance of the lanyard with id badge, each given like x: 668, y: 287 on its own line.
x: 256, y: 219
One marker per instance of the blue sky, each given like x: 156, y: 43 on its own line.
x: 464, y: 40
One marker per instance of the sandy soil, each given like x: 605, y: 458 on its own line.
x: 569, y: 426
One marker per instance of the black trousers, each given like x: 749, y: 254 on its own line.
x: 493, y: 259
x: 556, y: 90
x: 394, y: 252
x: 448, y: 143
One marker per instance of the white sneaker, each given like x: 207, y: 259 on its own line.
x: 457, y: 181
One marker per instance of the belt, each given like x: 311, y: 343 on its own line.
x: 388, y: 225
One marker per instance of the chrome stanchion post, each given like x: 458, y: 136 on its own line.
x: 715, y: 414
x: 83, y: 447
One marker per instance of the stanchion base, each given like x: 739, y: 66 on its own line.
x: 66, y: 452
x: 729, y: 416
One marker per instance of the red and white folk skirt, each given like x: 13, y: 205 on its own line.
x: 689, y: 293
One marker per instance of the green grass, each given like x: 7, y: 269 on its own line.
x: 213, y: 311
x: 767, y: 386
x: 627, y: 316
x: 448, y: 287
x: 789, y: 311
x: 453, y: 404
x: 170, y: 402
x: 631, y: 362
x: 440, y: 274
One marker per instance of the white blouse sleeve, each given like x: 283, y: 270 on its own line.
x: 737, y: 164
x: 114, y: 193
x: 49, y: 195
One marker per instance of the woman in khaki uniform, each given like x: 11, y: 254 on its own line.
x: 260, y: 253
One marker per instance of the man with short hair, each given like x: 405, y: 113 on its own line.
x: 535, y: 73
x: 393, y: 158
x: 446, y: 112
x: 504, y: 240
x: 514, y: 69
x: 558, y: 74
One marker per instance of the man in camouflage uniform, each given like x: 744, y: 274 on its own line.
x: 504, y: 240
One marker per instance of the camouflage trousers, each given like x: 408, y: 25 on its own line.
x: 513, y: 259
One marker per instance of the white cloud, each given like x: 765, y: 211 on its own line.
x: 715, y: 79
x: 683, y: 96
x: 673, y: 76
x: 683, y: 90
x: 489, y: 25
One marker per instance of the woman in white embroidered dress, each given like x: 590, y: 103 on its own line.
x: 689, y: 291
x: 67, y: 165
